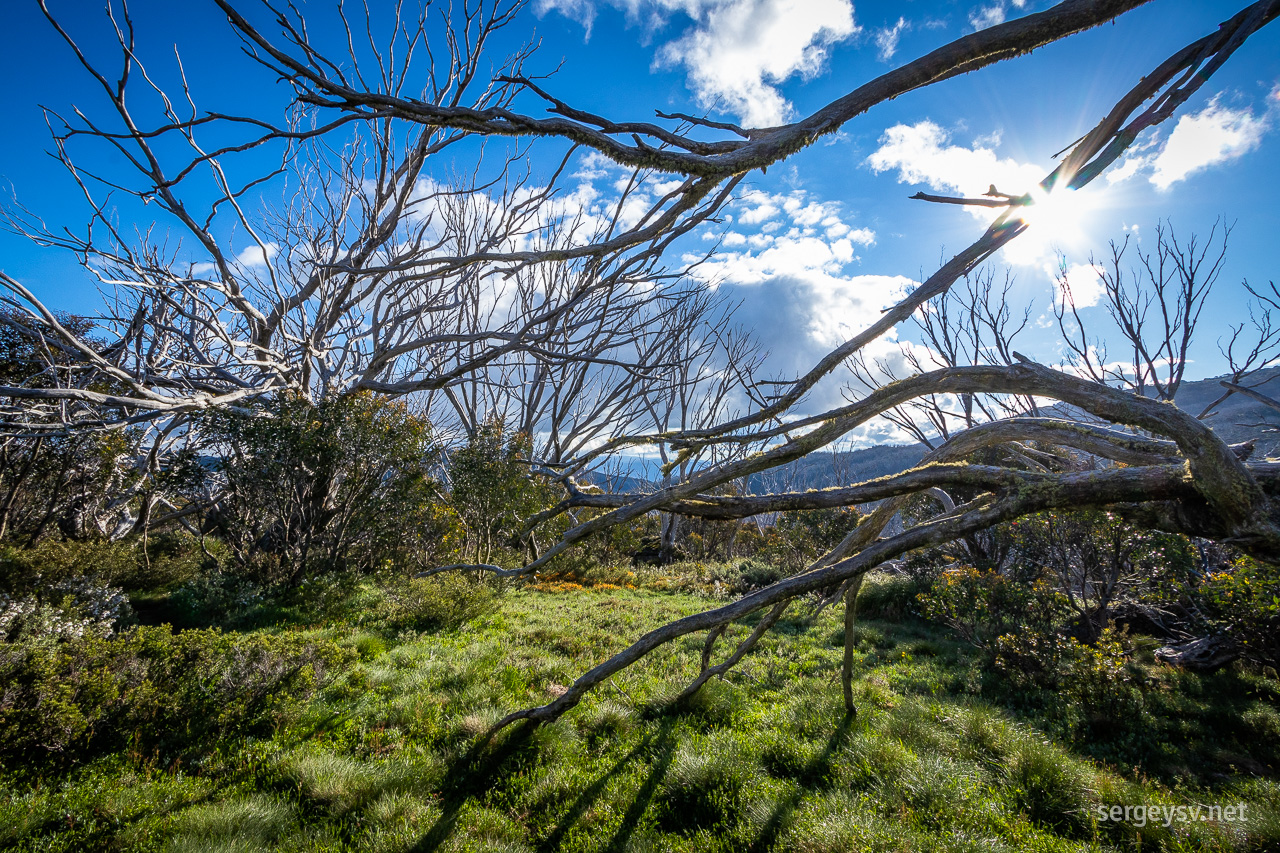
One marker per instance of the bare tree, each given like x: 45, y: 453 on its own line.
x: 396, y: 298
x: 1155, y: 310
x: 974, y: 324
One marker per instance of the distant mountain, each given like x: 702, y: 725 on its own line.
x: 823, y: 470
x: 1236, y: 419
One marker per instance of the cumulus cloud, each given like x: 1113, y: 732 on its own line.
x: 987, y: 16
x: 1215, y: 135
x: 922, y: 153
x: 800, y: 316
x: 990, y: 14
x: 253, y: 257
x: 791, y: 260
x: 736, y: 52
x: 1079, y: 284
x: 792, y: 234
x: 257, y: 256
x: 887, y: 39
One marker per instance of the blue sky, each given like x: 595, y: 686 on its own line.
x: 821, y: 243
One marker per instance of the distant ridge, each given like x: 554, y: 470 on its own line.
x: 1237, y: 419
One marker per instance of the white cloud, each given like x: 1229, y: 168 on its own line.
x: 741, y: 48
x: 987, y: 16
x: 887, y: 39
x: 787, y: 255
x: 796, y: 211
x: 921, y: 154
x: 763, y: 208
x: 843, y: 307
x: 253, y: 257
x: 1080, y: 284
x: 257, y: 257
x: 1215, y: 135
x: 800, y: 315
x: 990, y: 14
x: 737, y: 51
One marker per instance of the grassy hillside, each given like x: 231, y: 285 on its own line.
x: 385, y: 757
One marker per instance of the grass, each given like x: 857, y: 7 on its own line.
x: 387, y: 757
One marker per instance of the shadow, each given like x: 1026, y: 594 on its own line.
x: 659, y: 743
x: 816, y: 769
x: 663, y: 747
x: 106, y: 833
x: 472, y: 774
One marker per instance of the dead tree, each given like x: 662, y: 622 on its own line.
x: 365, y: 294
x: 1155, y: 310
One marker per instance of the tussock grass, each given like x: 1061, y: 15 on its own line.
x: 241, y: 823
x: 391, y: 757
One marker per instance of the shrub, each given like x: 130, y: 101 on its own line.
x: 1243, y: 602
x: 492, y: 490
x: 746, y: 575
x: 991, y: 610
x: 801, y: 536
x: 891, y: 597
x: 32, y: 571
x: 31, y: 620
x: 443, y: 601
x: 1021, y: 628
x: 219, y: 598
x: 1101, y: 680
x: 159, y: 693
x: 312, y: 489
x: 67, y: 610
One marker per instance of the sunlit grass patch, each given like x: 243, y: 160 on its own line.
x: 234, y: 824
x: 340, y: 783
x: 393, y: 754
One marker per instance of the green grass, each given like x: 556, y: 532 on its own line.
x: 387, y: 757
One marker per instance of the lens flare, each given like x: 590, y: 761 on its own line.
x: 1056, y: 223
x: 1058, y: 211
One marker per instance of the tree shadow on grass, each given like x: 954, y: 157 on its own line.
x: 664, y: 751
x: 470, y: 775
x: 659, y: 745
x: 815, y: 770
x: 476, y: 771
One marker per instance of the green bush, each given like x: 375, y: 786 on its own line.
x: 222, y: 598
x: 313, y: 489
x: 30, y: 571
x: 745, y: 575
x: 799, y: 537
x: 443, y: 601
x: 167, y: 560
x: 890, y: 597
x: 1243, y: 602
x: 1016, y: 624
x: 492, y: 491
x: 1023, y: 632
x: 68, y: 611
x: 159, y: 693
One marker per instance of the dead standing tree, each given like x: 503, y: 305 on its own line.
x: 1184, y: 479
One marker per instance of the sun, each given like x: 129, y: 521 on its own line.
x: 1056, y: 221
x: 1057, y: 211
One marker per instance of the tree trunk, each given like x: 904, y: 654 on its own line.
x: 1203, y: 654
x: 670, y: 529
x: 850, y: 615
